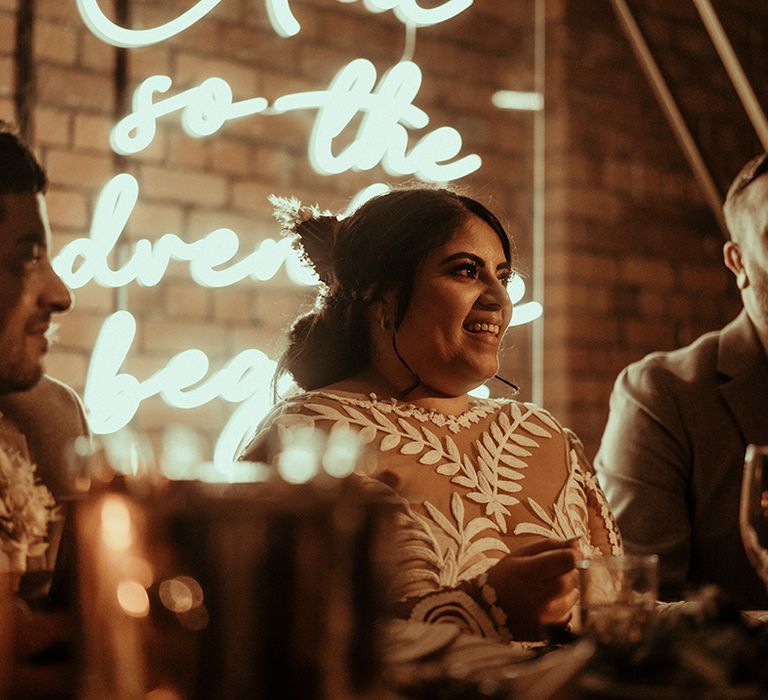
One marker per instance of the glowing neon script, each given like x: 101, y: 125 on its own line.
x: 278, y: 11
x: 382, y: 136
x: 112, y: 397
x: 407, y: 11
x: 205, y: 109
x: 149, y: 260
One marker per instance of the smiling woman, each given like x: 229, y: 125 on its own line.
x: 495, y: 497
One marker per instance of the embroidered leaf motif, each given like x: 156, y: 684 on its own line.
x: 367, y: 434
x: 412, y: 448
x: 463, y: 481
x: 442, y: 521
x: 516, y: 450
x: 432, y: 439
x: 523, y: 440
x: 515, y: 411
x: 431, y: 457
x: 477, y: 525
x: 511, y: 473
x: 504, y: 421
x: 389, y: 442
x: 511, y: 461
x: 449, y: 469
x: 357, y: 415
x: 457, y: 508
x: 509, y: 486
x: 479, y: 497
x: 535, y: 429
x: 383, y: 421
x: 326, y: 411
x: 409, y: 429
x: 482, y: 545
x: 539, y: 511
x: 452, y: 450
x: 498, y: 435
x: 545, y: 417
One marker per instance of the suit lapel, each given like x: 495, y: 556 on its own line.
x: 742, y: 363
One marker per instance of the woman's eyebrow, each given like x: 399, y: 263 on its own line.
x: 463, y: 255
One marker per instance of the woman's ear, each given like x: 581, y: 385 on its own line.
x: 732, y: 258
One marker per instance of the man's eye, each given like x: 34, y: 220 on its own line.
x: 505, y: 279
x: 32, y: 254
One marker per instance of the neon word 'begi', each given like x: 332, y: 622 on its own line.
x: 278, y: 11
x: 112, y: 397
x: 382, y: 136
x: 149, y: 260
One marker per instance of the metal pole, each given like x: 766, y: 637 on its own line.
x: 539, y: 159
x: 733, y: 67
x: 671, y: 110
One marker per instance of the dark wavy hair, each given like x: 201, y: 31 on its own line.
x: 374, y: 251
x: 19, y: 169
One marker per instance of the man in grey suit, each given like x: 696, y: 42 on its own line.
x: 39, y: 416
x: 672, y: 454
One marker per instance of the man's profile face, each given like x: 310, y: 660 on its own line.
x: 30, y: 291
x: 753, y: 244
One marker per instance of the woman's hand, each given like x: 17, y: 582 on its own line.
x: 536, y: 585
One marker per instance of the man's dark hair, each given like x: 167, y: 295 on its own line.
x: 19, y: 169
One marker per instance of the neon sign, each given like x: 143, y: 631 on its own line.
x: 387, y: 113
x: 279, y: 12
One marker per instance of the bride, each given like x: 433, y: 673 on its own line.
x: 496, y: 497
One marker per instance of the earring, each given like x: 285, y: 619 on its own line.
x: 741, y: 279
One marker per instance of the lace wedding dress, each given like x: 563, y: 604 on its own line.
x: 471, y: 488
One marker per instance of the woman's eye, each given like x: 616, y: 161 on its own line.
x: 467, y: 270
x: 32, y: 255
x: 506, y: 279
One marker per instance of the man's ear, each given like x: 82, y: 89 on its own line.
x: 732, y: 259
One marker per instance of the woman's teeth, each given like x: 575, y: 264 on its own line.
x: 482, y: 327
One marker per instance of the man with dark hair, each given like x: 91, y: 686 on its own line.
x: 39, y: 416
x: 672, y: 454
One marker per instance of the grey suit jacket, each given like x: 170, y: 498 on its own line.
x: 672, y: 455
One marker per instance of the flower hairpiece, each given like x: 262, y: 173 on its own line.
x: 27, y: 508
x: 314, y: 232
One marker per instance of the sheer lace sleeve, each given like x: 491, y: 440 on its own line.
x: 604, y: 535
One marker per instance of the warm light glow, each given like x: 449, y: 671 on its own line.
x: 522, y: 313
x: 382, y: 137
x: 116, y: 524
x: 517, y: 100
x: 88, y: 259
x: 112, y: 33
x: 301, y: 449
x: 133, y: 598
x: 181, y: 594
x: 204, y: 110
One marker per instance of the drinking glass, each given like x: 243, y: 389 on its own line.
x: 753, y: 509
x: 618, y: 596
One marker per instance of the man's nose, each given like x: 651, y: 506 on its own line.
x: 56, y: 294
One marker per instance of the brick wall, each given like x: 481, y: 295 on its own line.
x: 632, y: 251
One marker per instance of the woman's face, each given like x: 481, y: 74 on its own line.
x: 458, y: 312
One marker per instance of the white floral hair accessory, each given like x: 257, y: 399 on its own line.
x: 27, y: 508
x: 314, y: 233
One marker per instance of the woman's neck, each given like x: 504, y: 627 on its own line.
x: 370, y: 381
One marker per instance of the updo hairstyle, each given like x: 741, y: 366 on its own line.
x: 359, y: 259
